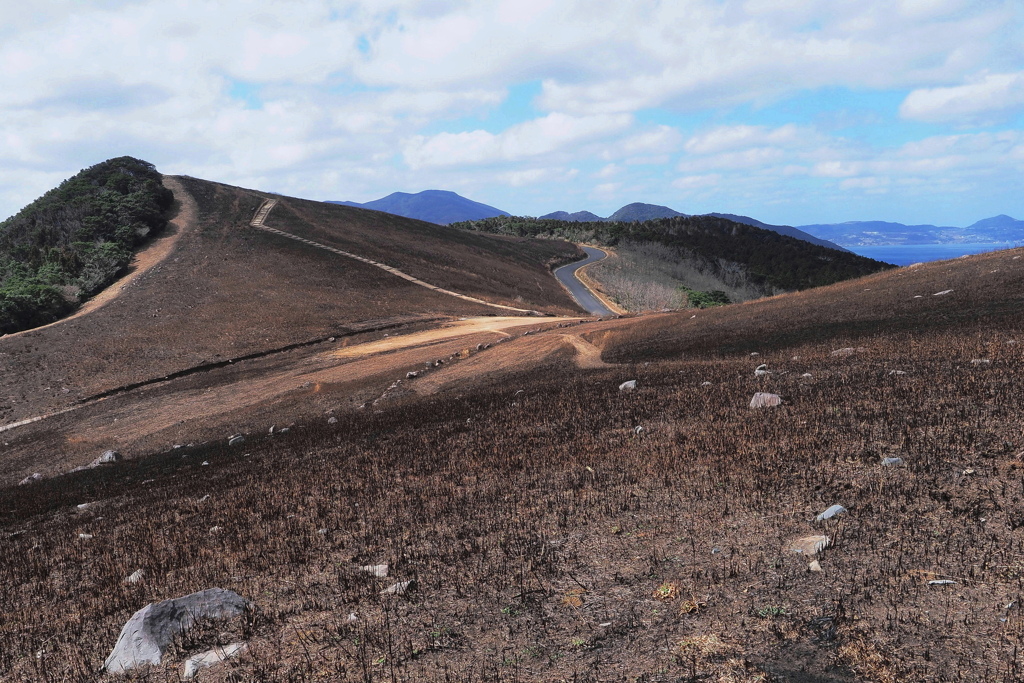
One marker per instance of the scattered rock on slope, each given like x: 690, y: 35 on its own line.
x: 108, y: 458
x: 31, y: 479
x: 400, y: 588
x: 765, y: 400
x: 150, y: 630
x: 833, y: 511
x: 628, y: 386
x: 210, y: 658
x: 135, y: 577
x: 808, y: 545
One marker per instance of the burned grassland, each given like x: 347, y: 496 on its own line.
x: 557, y: 528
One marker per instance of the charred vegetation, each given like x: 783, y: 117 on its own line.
x: 551, y: 539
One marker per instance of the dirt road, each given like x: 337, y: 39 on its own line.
x: 248, y: 396
x: 259, y: 222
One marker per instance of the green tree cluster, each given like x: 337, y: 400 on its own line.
x: 76, y: 239
x: 709, y: 299
x: 781, y: 261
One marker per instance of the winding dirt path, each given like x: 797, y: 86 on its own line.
x: 144, y: 260
x: 264, y: 210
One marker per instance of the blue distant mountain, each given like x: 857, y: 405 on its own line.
x: 638, y: 211
x: 1001, y: 229
x: 578, y: 217
x: 433, y: 206
x: 781, y: 229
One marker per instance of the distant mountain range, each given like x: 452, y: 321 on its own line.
x: 1001, y: 229
x: 444, y: 207
x: 433, y: 206
x: 636, y: 211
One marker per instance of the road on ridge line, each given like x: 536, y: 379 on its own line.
x: 584, y: 297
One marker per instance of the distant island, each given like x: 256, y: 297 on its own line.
x: 1001, y: 229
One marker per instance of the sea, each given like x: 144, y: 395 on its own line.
x: 905, y: 254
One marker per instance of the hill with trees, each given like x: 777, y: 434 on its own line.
x: 659, y: 260
x: 75, y: 240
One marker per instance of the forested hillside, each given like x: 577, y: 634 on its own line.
x: 769, y: 261
x: 75, y: 239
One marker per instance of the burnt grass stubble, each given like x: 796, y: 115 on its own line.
x: 549, y: 541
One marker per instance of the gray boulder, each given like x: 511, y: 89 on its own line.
x: 628, y: 386
x: 108, y: 458
x: 152, y: 629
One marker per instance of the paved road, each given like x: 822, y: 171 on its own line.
x: 584, y: 297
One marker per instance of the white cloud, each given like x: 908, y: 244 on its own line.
x: 534, y: 176
x: 991, y: 95
x: 696, y: 182
x: 346, y: 99
x: 529, y: 139
x: 871, y: 184
x: 727, y: 138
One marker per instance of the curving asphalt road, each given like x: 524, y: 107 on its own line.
x: 584, y: 297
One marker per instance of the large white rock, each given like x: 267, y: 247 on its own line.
x: 211, y: 657
x: 628, y: 386
x: 150, y: 630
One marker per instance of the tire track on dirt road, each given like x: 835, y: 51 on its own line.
x: 264, y: 210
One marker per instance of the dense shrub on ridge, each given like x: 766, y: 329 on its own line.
x: 75, y: 239
x: 769, y: 258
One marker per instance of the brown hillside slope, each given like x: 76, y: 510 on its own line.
x: 550, y: 539
x: 228, y: 291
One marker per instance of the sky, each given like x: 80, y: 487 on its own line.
x: 789, y: 111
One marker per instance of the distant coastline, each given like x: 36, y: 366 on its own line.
x: 906, y: 254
